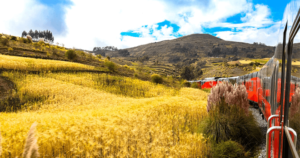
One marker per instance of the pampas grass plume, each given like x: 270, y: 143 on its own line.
x: 31, y: 146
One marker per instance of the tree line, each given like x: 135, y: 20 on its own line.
x: 107, y: 48
x: 39, y: 34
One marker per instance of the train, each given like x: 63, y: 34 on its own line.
x: 272, y: 88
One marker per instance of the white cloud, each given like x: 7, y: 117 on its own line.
x: 250, y: 35
x: 93, y: 23
x: 17, y: 16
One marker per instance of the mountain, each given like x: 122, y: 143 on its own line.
x: 188, y: 48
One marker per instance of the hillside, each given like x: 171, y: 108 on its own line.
x: 84, y: 114
x: 201, y: 51
x: 188, y: 49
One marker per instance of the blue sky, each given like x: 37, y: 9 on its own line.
x: 91, y: 23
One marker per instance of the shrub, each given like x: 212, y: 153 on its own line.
x: 4, y: 42
x: 41, y: 43
x: 108, y: 58
x: 71, y: 55
x: 99, y: 56
x: 29, y: 38
x: 13, y: 38
x: 207, y: 90
x: 10, y: 49
x: 186, y: 84
x: 233, y: 95
x: 156, y: 78
x: 110, y: 65
x: 229, y: 149
x: 194, y: 85
x: 23, y: 40
x: 229, y: 118
x: 135, y: 75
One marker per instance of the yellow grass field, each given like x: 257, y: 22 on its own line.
x: 30, y: 64
x: 233, y: 62
x: 78, y: 115
x: 296, y: 63
x: 245, y: 61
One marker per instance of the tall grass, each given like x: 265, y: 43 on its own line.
x: 30, y: 64
x: 229, y: 118
x: 78, y: 119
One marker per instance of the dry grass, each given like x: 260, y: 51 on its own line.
x: 31, y: 147
x: 245, y: 61
x: 296, y: 63
x: 79, y: 120
x: 30, y: 64
x: 234, y: 62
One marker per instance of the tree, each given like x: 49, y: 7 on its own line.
x: 216, y: 51
x: 36, y: 34
x: 24, y: 34
x: 31, y: 33
x: 187, y: 73
x: 124, y: 52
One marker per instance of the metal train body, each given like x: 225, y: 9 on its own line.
x: 266, y: 90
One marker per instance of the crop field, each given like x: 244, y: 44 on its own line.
x: 30, y: 64
x: 98, y: 115
x: 233, y: 62
x: 245, y: 61
x: 296, y: 63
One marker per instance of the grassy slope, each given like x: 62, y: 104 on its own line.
x: 82, y: 115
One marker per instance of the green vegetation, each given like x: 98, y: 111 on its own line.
x: 71, y: 55
x: 156, y: 78
x: 194, y: 85
x: 229, y: 120
x: 110, y: 65
x: 229, y: 149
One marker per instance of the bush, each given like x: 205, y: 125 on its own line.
x: 99, y: 56
x: 23, y: 40
x: 233, y: 95
x: 41, y: 43
x: 110, y: 65
x: 13, y: 38
x: 10, y: 49
x: 229, y: 118
x: 207, y: 90
x: 4, y: 42
x: 186, y: 84
x: 194, y: 85
x: 229, y: 149
x: 71, y: 55
x: 156, y: 78
x: 108, y: 58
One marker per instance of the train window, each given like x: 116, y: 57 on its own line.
x: 251, y: 86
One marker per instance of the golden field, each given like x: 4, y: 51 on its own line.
x: 30, y: 64
x: 89, y: 115
x: 245, y: 61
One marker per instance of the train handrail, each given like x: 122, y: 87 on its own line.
x: 268, y: 139
x: 290, y: 141
x: 270, y: 120
x: 278, y: 128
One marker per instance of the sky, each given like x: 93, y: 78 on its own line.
x: 86, y: 24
